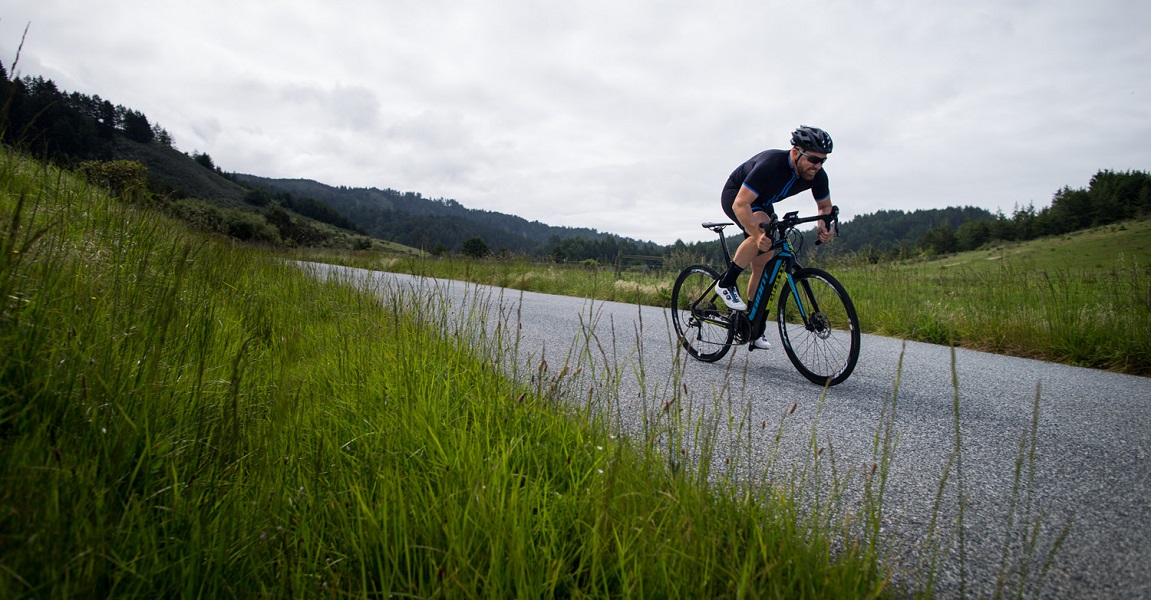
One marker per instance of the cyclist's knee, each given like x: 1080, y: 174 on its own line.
x: 762, y: 258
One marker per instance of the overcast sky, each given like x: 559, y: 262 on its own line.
x: 624, y: 116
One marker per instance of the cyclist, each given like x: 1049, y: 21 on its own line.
x: 747, y: 199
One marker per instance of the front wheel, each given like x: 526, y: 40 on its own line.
x: 818, y: 327
x: 702, y: 321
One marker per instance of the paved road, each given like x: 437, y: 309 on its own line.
x: 1094, y: 428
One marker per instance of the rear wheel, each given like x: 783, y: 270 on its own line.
x: 701, y: 319
x: 818, y: 327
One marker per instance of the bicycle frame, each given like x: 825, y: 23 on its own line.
x: 751, y: 325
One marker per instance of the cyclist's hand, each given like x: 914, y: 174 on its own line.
x: 825, y: 234
x: 764, y: 242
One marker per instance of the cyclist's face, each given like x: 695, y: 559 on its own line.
x: 804, y: 166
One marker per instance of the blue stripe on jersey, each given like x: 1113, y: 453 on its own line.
x: 751, y: 188
x: 783, y: 193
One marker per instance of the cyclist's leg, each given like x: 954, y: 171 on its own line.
x: 739, y: 262
x: 746, y: 251
x: 753, y: 256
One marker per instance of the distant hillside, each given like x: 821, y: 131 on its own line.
x: 413, y: 220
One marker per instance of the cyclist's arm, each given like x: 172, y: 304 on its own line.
x: 824, y: 206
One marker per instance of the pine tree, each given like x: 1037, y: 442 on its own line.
x: 137, y: 128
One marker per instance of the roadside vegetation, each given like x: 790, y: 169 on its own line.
x: 181, y: 415
x: 1082, y: 299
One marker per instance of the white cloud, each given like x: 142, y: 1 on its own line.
x: 623, y: 116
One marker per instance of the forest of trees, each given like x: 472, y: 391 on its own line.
x: 1110, y: 197
x: 70, y: 128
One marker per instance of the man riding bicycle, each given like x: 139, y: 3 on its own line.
x: 747, y: 199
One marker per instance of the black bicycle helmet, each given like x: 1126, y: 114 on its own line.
x: 811, y: 138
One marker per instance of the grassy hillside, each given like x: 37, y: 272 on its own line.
x: 179, y: 175
x: 1103, y: 248
x: 1082, y: 299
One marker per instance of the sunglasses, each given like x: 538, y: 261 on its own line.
x: 815, y: 160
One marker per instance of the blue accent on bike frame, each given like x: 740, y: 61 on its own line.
x: 795, y: 295
x: 778, y: 261
x: 763, y: 281
x: 785, y: 256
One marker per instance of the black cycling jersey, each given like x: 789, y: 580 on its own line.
x: 771, y: 176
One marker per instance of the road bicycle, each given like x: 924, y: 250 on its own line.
x: 818, y: 326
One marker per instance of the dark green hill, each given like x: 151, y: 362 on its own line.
x: 179, y: 175
x: 411, y: 219
x: 888, y: 229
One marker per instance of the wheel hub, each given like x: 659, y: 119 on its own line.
x: 820, y: 326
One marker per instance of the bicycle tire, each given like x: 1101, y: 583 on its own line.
x: 701, y: 319
x: 825, y: 347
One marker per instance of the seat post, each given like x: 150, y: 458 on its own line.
x: 718, y: 229
x: 723, y: 244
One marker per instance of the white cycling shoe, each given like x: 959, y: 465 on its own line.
x: 730, y: 297
x: 762, y: 343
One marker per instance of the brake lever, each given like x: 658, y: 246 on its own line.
x: 831, y: 218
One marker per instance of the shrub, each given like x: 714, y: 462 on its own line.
x: 257, y: 197
x: 198, y: 214
x: 248, y: 227
x: 476, y: 247
x: 127, y: 179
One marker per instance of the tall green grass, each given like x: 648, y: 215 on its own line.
x: 1091, y: 317
x: 183, y: 416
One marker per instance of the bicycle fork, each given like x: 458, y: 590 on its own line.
x: 799, y: 303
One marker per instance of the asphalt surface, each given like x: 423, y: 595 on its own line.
x: 1090, y: 471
